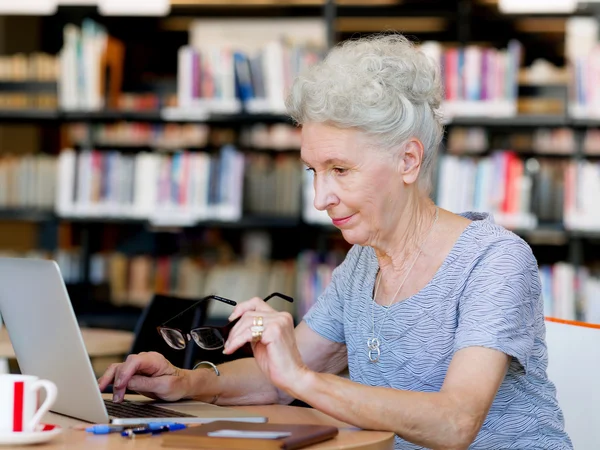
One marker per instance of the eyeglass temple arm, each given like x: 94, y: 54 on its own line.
x: 277, y: 294
x: 216, y: 297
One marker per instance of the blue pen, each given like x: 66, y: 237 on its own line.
x: 106, y: 429
x: 152, y: 429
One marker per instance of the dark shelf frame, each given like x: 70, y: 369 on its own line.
x: 41, y: 115
x: 26, y: 215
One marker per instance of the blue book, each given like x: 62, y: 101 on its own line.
x: 243, y: 78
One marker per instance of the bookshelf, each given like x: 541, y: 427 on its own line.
x: 292, y: 233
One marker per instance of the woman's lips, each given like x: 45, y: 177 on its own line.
x: 341, y: 220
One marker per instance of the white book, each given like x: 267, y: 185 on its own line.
x: 444, y: 188
x: 65, y: 176
x: 184, y: 76
x: 274, y: 75
x: 227, y: 74
x: 68, y: 82
x: 144, y: 190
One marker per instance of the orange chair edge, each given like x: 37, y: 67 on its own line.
x: 573, y: 322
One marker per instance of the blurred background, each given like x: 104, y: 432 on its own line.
x: 144, y: 144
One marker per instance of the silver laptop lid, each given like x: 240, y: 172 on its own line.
x: 45, y: 335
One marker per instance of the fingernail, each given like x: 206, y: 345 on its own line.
x: 115, y: 398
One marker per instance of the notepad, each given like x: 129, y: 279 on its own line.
x: 250, y: 434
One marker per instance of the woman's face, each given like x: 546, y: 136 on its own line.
x: 360, y: 187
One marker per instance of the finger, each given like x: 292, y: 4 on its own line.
x: 254, y: 304
x: 242, y: 332
x: 280, y: 327
x: 237, y: 336
x: 107, y: 377
x: 123, y: 374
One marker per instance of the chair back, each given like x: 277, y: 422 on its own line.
x: 574, y: 367
x: 158, y: 310
x: 3, y: 361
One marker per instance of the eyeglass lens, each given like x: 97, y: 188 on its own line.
x: 173, y: 338
x: 208, y: 338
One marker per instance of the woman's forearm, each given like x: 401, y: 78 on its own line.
x: 432, y: 420
x: 241, y: 382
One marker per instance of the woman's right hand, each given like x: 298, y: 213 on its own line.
x: 148, y: 373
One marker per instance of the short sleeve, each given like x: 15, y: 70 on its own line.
x: 326, y: 316
x: 498, y: 306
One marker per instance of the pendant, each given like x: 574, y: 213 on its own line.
x: 373, y: 343
x: 374, y: 352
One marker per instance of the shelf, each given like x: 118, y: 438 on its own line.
x: 110, y: 116
x: 585, y: 234
x: 26, y: 215
x: 585, y: 123
x: 28, y: 115
x: 147, y: 147
x: 256, y: 222
x: 245, y: 222
x: 103, y: 220
x: 29, y: 86
x: 545, y: 234
x: 157, y: 116
x: 510, y: 122
x: 520, y: 153
x: 247, y: 119
x: 35, y: 115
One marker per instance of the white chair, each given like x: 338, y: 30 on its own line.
x: 574, y: 367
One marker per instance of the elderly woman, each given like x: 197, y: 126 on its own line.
x: 437, y: 316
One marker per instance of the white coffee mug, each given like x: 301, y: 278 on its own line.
x: 19, y: 402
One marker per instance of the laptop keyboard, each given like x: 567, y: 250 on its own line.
x: 127, y: 410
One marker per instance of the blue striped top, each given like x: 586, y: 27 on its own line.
x: 486, y: 293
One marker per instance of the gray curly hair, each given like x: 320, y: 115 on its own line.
x: 381, y: 85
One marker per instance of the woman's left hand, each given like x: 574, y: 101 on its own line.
x: 276, y: 353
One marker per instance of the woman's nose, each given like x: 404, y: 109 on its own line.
x: 324, y: 194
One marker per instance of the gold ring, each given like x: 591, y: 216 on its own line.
x: 257, y: 329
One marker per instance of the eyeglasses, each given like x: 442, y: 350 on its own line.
x: 206, y: 337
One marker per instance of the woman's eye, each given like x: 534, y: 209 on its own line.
x: 309, y: 169
x: 339, y: 170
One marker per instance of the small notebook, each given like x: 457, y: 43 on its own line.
x: 224, y: 434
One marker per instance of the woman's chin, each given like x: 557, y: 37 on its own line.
x: 354, y: 238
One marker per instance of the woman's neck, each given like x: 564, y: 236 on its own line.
x: 397, y: 249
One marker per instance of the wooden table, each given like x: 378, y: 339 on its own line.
x: 74, y: 438
x: 98, y: 342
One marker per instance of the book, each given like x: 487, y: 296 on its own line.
x: 259, y: 436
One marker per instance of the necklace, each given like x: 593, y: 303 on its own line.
x: 373, y: 342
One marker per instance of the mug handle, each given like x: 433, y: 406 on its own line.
x: 51, y: 392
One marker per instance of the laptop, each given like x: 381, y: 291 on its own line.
x: 43, y: 329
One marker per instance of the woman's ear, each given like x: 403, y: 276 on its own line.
x: 411, y: 161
